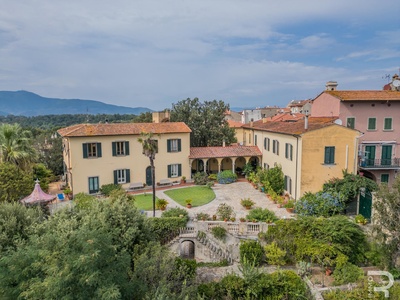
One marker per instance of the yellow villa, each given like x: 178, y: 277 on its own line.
x: 310, y: 151
x: 98, y: 154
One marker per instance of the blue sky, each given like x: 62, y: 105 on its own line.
x: 154, y: 53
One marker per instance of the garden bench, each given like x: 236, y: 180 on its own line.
x: 136, y: 185
x: 165, y: 182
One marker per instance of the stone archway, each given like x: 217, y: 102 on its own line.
x: 187, y: 249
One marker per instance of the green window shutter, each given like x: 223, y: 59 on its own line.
x: 285, y: 183
x: 114, y: 148
x: 179, y: 145
x: 329, y: 155
x: 128, y: 175
x: 265, y: 143
x: 351, y: 122
x: 255, y: 140
x: 115, y: 177
x: 98, y: 149
x: 179, y: 170
x: 388, y: 123
x: 168, y: 145
x: 286, y: 150
x: 126, y: 148
x: 169, y: 171
x: 372, y: 123
x: 385, y: 178
x: 85, y: 150
x: 268, y: 143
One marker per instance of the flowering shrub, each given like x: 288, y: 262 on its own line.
x: 226, y: 177
x: 324, y: 204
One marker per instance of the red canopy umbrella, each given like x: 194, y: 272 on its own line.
x: 38, y: 196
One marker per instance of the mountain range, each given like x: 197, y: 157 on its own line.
x: 24, y: 103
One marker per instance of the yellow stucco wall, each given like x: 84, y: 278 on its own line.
x: 313, y: 171
x: 103, y: 167
x: 271, y: 159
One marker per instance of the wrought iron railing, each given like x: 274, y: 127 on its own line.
x: 380, y: 163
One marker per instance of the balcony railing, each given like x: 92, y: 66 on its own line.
x: 393, y: 163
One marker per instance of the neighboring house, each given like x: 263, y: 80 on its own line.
x: 310, y: 151
x: 231, y: 115
x: 300, y: 106
x: 376, y: 114
x: 249, y: 115
x: 237, y: 126
x: 98, y: 154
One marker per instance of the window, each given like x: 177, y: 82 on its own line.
x: 120, y: 148
x: 371, y: 123
x: 266, y: 144
x: 174, y: 170
x: 289, y: 151
x: 386, y: 155
x: 351, y: 122
x: 174, y: 145
x: 275, y: 147
x: 288, y: 184
x: 93, y: 185
x: 385, y: 178
x: 122, y: 176
x: 255, y: 140
x: 91, y: 150
x: 329, y: 155
x: 249, y: 138
x: 388, y: 124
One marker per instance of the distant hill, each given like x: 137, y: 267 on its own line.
x: 23, y: 103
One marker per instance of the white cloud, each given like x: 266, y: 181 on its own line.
x: 153, y: 53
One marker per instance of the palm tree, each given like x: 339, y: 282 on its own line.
x: 150, y: 148
x: 16, y: 145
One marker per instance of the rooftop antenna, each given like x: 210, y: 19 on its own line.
x: 387, y: 76
x: 87, y: 114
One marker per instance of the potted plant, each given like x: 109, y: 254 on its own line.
x: 214, y: 217
x: 233, y: 219
x: 242, y: 219
x: 360, y: 219
x: 183, y: 179
x: 68, y: 192
x: 161, y: 204
x: 281, y: 201
x: 289, y: 206
x: 188, y: 203
x: 247, y: 203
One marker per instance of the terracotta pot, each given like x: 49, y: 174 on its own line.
x: 328, y: 272
x: 189, y: 205
x: 290, y: 210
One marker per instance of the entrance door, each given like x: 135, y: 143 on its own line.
x: 149, y: 179
x: 365, y: 204
x: 386, y: 155
x: 370, y: 155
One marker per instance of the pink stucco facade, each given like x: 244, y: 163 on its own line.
x: 379, y: 148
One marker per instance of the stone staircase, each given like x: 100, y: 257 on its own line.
x: 215, y: 246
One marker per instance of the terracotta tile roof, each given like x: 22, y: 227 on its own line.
x: 366, y: 95
x: 229, y: 151
x: 292, y: 128
x: 123, y: 129
x: 287, y: 117
x: 234, y: 124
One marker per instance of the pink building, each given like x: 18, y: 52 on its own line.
x: 377, y: 115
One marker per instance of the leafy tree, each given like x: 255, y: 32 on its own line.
x: 349, y: 186
x: 14, y: 182
x: 16, y: 224
x: 206, y: 120
x: 43, y: 174
x: 16, y: 146
x: 51, y: 153
x: 276, y: 179
x: 150, y: 148
x: 77, y: 254
x: 387, y: 219
x: 251, y: 252
x: 323, y: 204
x: 145, y: 117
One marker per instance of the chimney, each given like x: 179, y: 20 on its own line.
x: 306, y: 122
x: 223, y: 143
x: 331, y: 85
x: 251, y: 123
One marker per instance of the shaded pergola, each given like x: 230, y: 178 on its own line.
x: 37, y: 196
x: 217, y: 159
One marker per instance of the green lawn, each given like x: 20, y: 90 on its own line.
x: 144, y: 201
x: 200, y: 195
